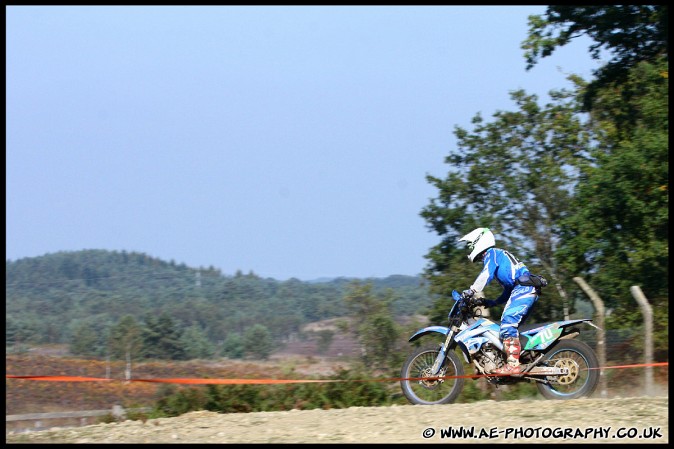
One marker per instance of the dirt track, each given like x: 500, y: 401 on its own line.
x: 536, y: 421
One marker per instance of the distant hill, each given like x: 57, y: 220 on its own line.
x: 321, y: 280
x: 52, y: 297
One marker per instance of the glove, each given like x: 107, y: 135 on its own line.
x: 488, y: 303
x: 478, y: 302
x: 468, y: 293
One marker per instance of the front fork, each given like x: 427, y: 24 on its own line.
x: 440, y: 359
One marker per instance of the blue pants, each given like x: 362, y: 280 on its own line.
x: 522, y: 298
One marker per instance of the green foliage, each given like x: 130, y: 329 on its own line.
x: 473, y: 392
x: 257, y: 342
x: 84, y: 340
x: 378, y: 335
x: 349, y: 390
x: 373, y: 323
x: 325, y: 337
x: 519, y: 391
x: 617, y: 235
x: 125, y: 340
x: 19, y: 330
x: 47, y: 297
x: 179, y: 401
x: 161, y: 338
x: 88, y: 337
x: 232, y: 347
x: 514, y: 176
x: 196, y: 344
x: 572, y: 195
x: 352, y: 392
x: 108, y: 419
x: 630, y: 34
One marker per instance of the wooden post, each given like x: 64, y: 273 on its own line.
x: 601, y: 337
x: 647, y: 311
x: 127, y: 371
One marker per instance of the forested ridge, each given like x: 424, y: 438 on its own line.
x: 88, y: 298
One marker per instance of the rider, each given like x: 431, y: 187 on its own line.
x: 501, y: 265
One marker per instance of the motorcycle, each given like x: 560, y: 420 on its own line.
x: 561, y: 367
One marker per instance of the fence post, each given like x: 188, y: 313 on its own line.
x: 118, y: 411
x: 601, y: 333
x: 647, y: 311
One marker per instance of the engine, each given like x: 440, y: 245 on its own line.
x: 489, y: 358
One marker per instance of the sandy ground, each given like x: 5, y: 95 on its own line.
x: 593, y: 420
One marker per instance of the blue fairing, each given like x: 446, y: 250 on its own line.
x: 429, y: 330
x: 471, y: 339
x: 482, y: 322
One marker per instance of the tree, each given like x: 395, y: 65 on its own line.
x: 125, y: 341
x: 85, y: 339
x: 617, y: 235
x: 378, y: 335
x: 42, y: 301
x: 325, y: 337
x: 373, y: 324
x: 258, y: 342
x: 161, y: 338
x: 514, y: 175
x: 630, y: 33
x: 18, y: 330
x: 195, y: 344
x: 232, y: 347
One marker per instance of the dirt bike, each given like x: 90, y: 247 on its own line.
x: 561, y: 367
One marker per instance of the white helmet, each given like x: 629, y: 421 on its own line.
x: 478, y: 240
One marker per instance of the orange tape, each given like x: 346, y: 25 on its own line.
x: 229, y: 381
x: 235, y: 381
x: 60, y: 378
x: 277, y: 381
x: 641, y: 365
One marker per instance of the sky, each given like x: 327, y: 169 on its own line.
x: 287, y: 141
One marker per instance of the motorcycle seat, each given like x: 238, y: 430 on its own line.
x: 525, y: 327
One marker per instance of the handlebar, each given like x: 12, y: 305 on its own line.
x: 472, y: 301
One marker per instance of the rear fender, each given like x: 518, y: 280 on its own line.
x: 542, y: 337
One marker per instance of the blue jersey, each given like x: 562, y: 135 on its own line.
x: 499, y: 264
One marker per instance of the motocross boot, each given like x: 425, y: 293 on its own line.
x: 512, y: 350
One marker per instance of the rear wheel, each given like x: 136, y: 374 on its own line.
x: 435, y: 391
x: 582, y: 366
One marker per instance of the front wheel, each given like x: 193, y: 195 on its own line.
x: 583, y: 371
x: 427, y: 392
